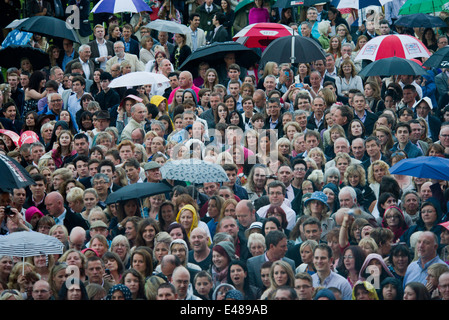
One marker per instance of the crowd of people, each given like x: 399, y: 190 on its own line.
x: 310, y: 210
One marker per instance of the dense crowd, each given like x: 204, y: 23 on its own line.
x: 310, y: 210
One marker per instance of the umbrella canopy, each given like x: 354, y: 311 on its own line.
x: 440, y: 59
x: 215, y: 53
x: 168, y: 26
x: 14, y: 176
x: 420, y: 20
x: 15, y: 23
x: 392, y: 66
x: 242, y: 4
x: 282, y: 50
x: 12, y: 54
x: 116, y: 6
x: 423, y: 167
x: 137, y: 191
x: 422, y: 6
x: 50, y: 27
x: 18, y: 38
x: 193, y: 170
x: 29, y: 244
x: 360, y: 4
x: 138, y: 78
x: 260, y: 35
x: 393, y: 45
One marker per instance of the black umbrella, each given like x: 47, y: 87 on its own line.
x: 215, y: 52
x: 137, y: 191
x: 392, y: 66
x: 293, y: 3
x: 13, y: 175
x: 50, y: 27
x: 303, y: 50
x: 420, y: 20
x: 440, y: 59
x: 12, y: 54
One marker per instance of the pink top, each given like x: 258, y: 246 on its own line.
x: 258, y: 15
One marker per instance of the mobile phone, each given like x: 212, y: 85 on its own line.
x: 107, y: 271
x: 299, y: 85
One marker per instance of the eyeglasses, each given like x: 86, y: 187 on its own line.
x: 56, y: 100
x: 303, y: 287
x: 391, y: 217
x: 348, y: 257
x: 299, y: 170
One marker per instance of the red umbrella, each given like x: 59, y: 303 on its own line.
x: 259, y: 35
x: 393, y: 45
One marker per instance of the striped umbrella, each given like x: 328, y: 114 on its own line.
x: 29, y: 244
x: 117, y: 6
x: 393, y: 45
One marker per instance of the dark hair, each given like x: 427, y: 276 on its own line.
x: 359, y: 257
x: 273, y: 237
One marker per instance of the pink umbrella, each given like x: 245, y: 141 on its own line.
x: 393, y: 45
x: 28, y: 137
x: 259, y: 35
x: 14, y: 136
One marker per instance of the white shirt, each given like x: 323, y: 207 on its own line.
x: 103, y: 50
x: 289, y: 212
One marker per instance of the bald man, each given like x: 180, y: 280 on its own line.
x: 42, y: 290
x: 181, y: 281
x: 77, y: 238
x: 54, y: 202
x: 185, y: 82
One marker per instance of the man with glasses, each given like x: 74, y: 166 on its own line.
x: 304, y: 286
x: 55, y: 105
x: 121, y: 55
x: 444, y: 138
x: 42, y: 291
x: 276, y: 196
x: 101, y: 183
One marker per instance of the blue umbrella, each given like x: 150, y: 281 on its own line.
x: 116, y: 6
x: 423, y: 167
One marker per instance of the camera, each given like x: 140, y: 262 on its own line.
x: 8, y: 211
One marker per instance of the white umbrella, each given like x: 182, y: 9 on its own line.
x: 29, y: 244
x: 116, y: 6
x: 168, y: 26
x: 138, y: 78
x: 193, y: 170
